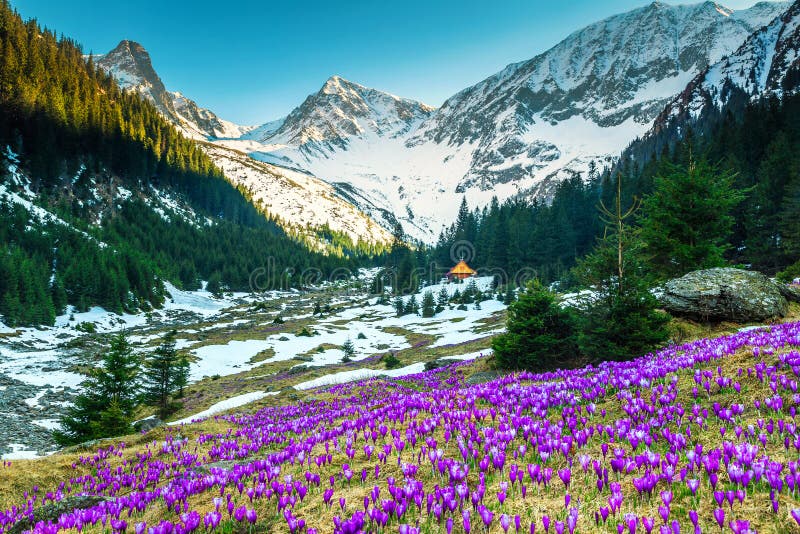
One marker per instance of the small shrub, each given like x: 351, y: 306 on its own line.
x: 391, y: 361
x: 87, y: 328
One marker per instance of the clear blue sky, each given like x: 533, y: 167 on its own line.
x: 252, y: 61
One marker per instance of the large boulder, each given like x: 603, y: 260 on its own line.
x: 725, y: 294
x: 438, y: 364
x: 147, y: 424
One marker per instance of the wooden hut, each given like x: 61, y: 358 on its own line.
x: 460, y: 271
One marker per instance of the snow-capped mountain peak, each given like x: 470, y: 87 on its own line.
x: 130, y: 64
x: 341, y: 110
x: 517, y: 133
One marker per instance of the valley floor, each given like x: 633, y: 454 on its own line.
x: 238, y: 350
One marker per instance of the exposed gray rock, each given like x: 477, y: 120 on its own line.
x: 725, y: 294
x: 52, y: 511
x: 482, y: 377
x: 297, y: 369
x: 146, y: 425
x: 791, y: 293
x: 437, y: 364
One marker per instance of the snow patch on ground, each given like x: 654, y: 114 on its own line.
x: 359, y: 374
x: 233, y: 357
x: 19, y: 452
x: 227, y: 404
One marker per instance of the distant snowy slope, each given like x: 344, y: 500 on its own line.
x: 297, y: 199
x: 301, y: 202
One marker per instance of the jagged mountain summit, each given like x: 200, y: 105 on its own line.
x: 342, y: 110
x: 570, y: 109
x: 130, y: 65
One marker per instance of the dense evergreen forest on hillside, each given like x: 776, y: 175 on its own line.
x: 757, y: 144
x: 81, y: 141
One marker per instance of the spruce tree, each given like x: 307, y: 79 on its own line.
x: 428, y: 305
x: 181, y: 373
x: 411, y: 307
x: 348, y: 351
x: 687, y: 220
x: 161, y: 367
x: 540, y: 334
x: 399, y: 307
x: 620, y: 320
x: 105, y: 407
x: 509, y: 297
x: 442, y: 300
x: 214, y: 285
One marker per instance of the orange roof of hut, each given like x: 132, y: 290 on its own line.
x: 461, y: 271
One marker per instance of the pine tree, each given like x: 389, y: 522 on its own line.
x: 540, y: 334
x: 117, y: 381
x: 442, y: 300
x: 182, y: 370
x: 214, y: 285
x: 161, y: 367
x: 428, y: 305
x: 620, y: 320
x: 348, y: 351
x: 399, y: 307
x: 105, y: 408
x: 765, y: 244
x: 509, y: 296
x: 411, y: 307
x: 688, y: 218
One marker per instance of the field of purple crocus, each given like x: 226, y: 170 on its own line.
x: 701, y: 437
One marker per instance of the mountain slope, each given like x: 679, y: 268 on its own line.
x: 768, y: 63
x: 298, y: 201
x: 130, y: 65
x: 567, y: 110
x: 102, y: 199
x: 291, y: 201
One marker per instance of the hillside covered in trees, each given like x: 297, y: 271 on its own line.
x: 756, y: 145
x: 102, y: 198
